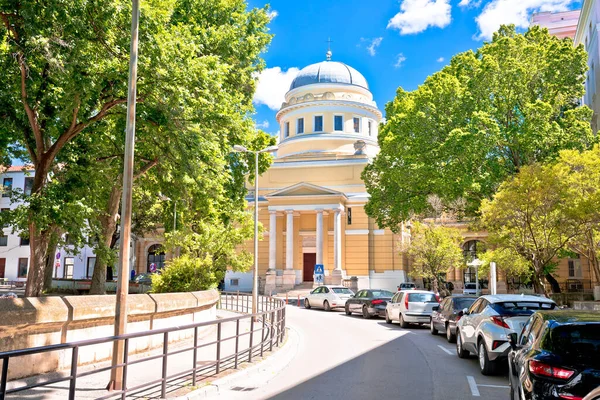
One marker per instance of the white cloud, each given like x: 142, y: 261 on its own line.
x: 399, y: 60
x: 262, y: 125
x: 417, y: 15
x: 518, y: 12
x: 464, y: 3
x: 273, y: 84
x: 441, y: 59
x: 372, y: 47
x: 469, y: 3
x: 273, y: 14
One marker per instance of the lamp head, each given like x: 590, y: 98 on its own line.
x: 240, y: 148
x: 270, y: 149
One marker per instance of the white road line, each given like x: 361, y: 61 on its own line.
x: 495, y: 386
x: 445, y: 349
x: 473, y: 386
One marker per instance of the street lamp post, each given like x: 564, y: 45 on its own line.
x: 476, y: 263
x: 242, y: 149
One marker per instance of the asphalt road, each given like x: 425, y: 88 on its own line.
x: 350, y: 358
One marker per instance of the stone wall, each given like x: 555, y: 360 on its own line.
x: 33, y: 322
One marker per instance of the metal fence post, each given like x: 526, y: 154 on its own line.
x: 195, y: 357
x: 251, y: 339
x: 125, y: 361
x: 262, y: 335
x: 237, y: 341
x: 237, y: 301
x: 74, y: 360
x: 272, y: 330
x: 163, y: 386
x: 218, y: 367
x: 4, y: 377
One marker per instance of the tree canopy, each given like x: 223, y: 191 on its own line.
x: 479, y: 120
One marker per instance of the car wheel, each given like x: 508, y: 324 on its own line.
x: 486, y: 366
x: 306, y: 304
x: 326, y: 306
x: 347, y: 310
x: 365, y: 312
x: 460, y: 352
x: 449, y: 335
x: 387, y: 318
x: 403, y: 323
x: 432, y: 327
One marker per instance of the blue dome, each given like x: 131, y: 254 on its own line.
x: 329, y: 72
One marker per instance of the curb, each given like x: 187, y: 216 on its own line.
x: 268, y: 368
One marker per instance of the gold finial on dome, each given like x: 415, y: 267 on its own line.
x: 328, y: 54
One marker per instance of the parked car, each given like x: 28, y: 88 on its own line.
x: 407, y: 286
x: 470, y: 288
x: 556, y: 356
x: 445, y: 316
x: 411, y: 306
x: 143, y: 279
x: 593, y: 395
x: 369, y: 302
x: 484, y: 327
x: 328, y: 297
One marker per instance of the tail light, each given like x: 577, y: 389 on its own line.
x: 377, y: 302
x: 569, y: 397
x: 497, y: 343
x: 437, y: 297
x: 406, y: 301
x: 541, y: 369
x: 500, y: 322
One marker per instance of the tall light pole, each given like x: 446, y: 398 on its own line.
x: 116, y: 374
x: 242, y: 149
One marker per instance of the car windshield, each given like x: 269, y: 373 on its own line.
x: 461, y: 303
x: 422, y: 298
x: 470, y: 285
x: 341, y: 290
x: 575, y: 342
x: 520, y: 307
x: 382, y: 293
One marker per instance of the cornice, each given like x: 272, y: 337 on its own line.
x: 321, y: 103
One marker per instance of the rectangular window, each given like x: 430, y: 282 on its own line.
x: 356, y: 121
x: 300, y: 125
x: 24, y: 241
x: 338, y: 123
x: 23, y: 267
x: 4, y: 210
x: 370, y: 125
x: 318, y: 123
x: 28, y: 186
x: 91, y: 263
x: 575, y: 268
x: 349, y: 214
x: 286, y: 129
x: 3, y: 241
x: 234, y: 282
x: 69, y: 265
x: 6, y: 187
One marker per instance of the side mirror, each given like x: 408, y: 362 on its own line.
x: 435, y: 308
x: 512, y: 340
x: 465, y: 311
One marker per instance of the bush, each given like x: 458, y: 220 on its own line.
x: 187, y: 274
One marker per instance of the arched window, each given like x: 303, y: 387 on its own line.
x: 156, y: 258
x: 471, y: 249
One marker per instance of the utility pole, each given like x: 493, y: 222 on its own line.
x: 116, y: 374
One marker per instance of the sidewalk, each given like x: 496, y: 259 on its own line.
x: 93, y: 386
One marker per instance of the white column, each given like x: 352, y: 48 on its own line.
x: 319, y: 236
x: 337, y: 240
x: 289, y: 240
x: 272, y: 240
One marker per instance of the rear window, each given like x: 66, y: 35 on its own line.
x: 341, y: 290
x: 470, y: 286
x: 459, y: 304
x: 574, y: 341
x: 382, y: 293
x: 520, y: 307
x: 422, y: 298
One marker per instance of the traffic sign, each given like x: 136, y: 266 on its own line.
x: 319, y: 273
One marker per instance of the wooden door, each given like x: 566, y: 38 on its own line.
x: 309, y: 261
x: 2, y: 266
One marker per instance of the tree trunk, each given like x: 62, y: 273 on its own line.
x: 108, y: 223
x: 538, y: 280
x: 49, y: 270
x: 554, y: 283
x: 38, y: 249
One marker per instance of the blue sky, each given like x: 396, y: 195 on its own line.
x: 392, y: 43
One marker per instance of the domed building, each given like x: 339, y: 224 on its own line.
x: 312, y: 198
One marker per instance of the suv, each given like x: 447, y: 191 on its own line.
x: 484, y: 327
x: 407, y: 286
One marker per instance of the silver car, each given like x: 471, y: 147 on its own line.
x: 328, y: 297
x: 411, y: 306
x: 484, y: 327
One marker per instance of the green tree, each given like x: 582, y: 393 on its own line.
x: 476, y: 122
x: 434, y: 250
x: 507, y: 260
x: 65, y: 70
x: 532, y: 215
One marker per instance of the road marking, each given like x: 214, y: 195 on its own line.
x: 445, y: 349
x: 495, y: 386
x: 473, y: 386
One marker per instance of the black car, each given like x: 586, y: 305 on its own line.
x: 369, y: 302
x: 556, y: 356
x: 445, y: 316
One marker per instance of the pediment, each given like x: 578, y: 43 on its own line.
x: 304, y: 189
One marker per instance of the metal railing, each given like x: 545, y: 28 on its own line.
x: 268, y: 322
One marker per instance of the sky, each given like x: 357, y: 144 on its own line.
x: 392, y: 43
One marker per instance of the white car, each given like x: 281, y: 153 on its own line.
x: 470, y: 288
x: 411, y: 306
x: 328, y: 297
